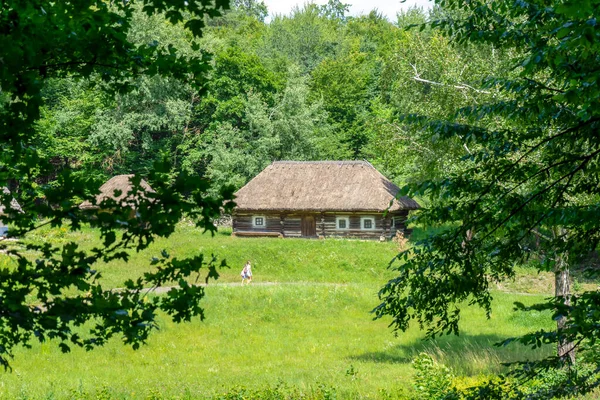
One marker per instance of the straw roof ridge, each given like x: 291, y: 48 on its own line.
x: 121, y: 183
x: 338, y: 162
x: 346, y: 185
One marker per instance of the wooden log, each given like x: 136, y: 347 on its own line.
x: 322, y: 225
x: 256, y: 234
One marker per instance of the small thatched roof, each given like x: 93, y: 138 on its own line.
x: 121, y: 183
x: 321, y: 186
x: 13, y: 203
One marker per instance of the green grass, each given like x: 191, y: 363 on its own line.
x: 259, y: 335
x: 311, y: 325
x: 273, y: 260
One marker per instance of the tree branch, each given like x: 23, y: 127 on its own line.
x: 544, y: 86
x: 570, y: 175
x: 73, y: 63
x: 528, y: 152
x: 461, y: 86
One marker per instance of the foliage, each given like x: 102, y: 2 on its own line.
x: 64, y: 121
x: 347, y: 82
x: 436, y: 381
x: 526, y: 186
x: 50, y: 294
x: 343, y: 84
x: 432, y: 380
x: 253, y: 8
x: 320, y: 392
x: 291, y: 129
x: 305, y: 38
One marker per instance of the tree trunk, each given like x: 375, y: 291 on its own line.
x: 562, y: 288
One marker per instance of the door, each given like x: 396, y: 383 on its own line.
x: 309, y: 226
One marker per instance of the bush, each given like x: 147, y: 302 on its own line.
x: 432, y: 380
x: 280, y: 392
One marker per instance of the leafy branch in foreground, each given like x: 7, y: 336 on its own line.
x: 53, y: 291
x: 527, y: 191
x: 50, y: 290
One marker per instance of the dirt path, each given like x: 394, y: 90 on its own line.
x: 165, y: 289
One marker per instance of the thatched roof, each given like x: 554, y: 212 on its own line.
x: 321, y: 186
x: 13, y: 203
x: 121, y: 183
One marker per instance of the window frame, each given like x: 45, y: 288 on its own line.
x: 254, y: 225
x: 337, y: 223
x: 362, y: 223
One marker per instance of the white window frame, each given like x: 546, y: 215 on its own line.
x: 362, y: 223
x: 337, y: 224
x: 264, y: 225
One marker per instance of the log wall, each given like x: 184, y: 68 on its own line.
x: 243, y: 222
x: 289, y: 224
x: 401, y: 217
x: 292, y: 225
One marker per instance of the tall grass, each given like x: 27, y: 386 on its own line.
x: 260, y: 336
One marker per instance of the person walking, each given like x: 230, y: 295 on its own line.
x: 247, y: 273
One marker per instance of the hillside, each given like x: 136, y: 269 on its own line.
x: 303, y: 324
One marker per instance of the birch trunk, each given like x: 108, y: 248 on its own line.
x: 562, y: 288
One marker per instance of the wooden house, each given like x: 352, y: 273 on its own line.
x: 320, y: 199
x: 3, y: 212
x: 119, y: 189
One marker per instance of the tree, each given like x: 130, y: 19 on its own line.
x: 343, y: 85
x: 65, y: 122
x: 335, y: 9
x: 43, y: 40
x: 291, y: 129
x: 95, y: 133
x: 253, y: 8
x: 423, y: 73
x: 530, y: 170
x: 304, y: 39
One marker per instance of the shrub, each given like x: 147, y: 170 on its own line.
x: 432, y: 380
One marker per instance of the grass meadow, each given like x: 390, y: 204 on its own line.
x: 304, y: 324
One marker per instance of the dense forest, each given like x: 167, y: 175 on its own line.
x: 315, y: 85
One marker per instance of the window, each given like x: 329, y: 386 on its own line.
x: 342, y: 222
x: 367, y: 222
x: 259, y: 221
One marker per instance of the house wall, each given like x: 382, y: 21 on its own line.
x: 243, y: 223
x: 289, y: 224
x: 400, y: 224
x: 292, y: 225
